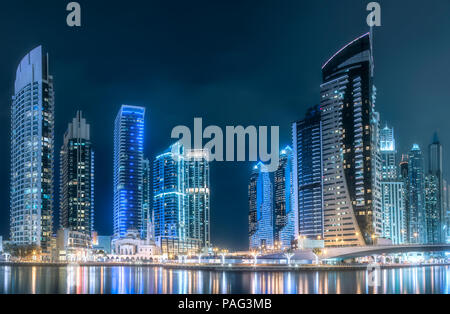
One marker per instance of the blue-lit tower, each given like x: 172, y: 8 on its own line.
x: 32, y: 152
x: 263, y: 236
x: 128, y: 169
x: 170, y: 201
x: 283, y: 191
x: 146, y: 198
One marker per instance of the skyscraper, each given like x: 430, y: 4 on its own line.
x: 77, y: 177
x: 146, y: 198
x: 394, y: 213
x: 404, y: 177
x: 432, y: 209
x: 351, y: 196
x: 284, y: 219
x: 435, y: 214
x: 416, y: 189
x: 198, y: 196
x: 393, y: 190
x: 181, y: 195
x: 32, y: 152
x: 263, y: 237
x: 128, y: 169
x: 388, y: 154
x: 307, y: 175
x: 252, y: 204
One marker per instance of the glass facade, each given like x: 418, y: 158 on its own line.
x: 198, y: 196
x: 128, y: 169
x: 283, y: 190
x: 77, y: 178
x: 416, y: 191
x: 351, y: 161
x: 181, y: 196
x: 32, y: 152
x: 307, y: 169
x: 263, y: 237
x: 435, y: 214
x: 146, y: 198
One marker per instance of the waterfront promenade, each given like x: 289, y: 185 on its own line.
x: 229, y: 267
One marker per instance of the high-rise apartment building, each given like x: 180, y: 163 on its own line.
x: 350, y: 149
x: 146, y: 198
x: 77, y: 178
x: 263, y: 237
x: 128, y: 170
x: 394, y: 213
x: 388, y: 154
x: 198, y: 196
x: 435, y: 214
x: 284, y: 216
x: 32, y: 152
x: 181, y: 200
x: 307, y: 175
x: 416, y: 193
x: 393, y: 190
x: 432, y: 209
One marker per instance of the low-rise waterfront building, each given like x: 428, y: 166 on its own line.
x: 133, y: 248
x: 71, y: 246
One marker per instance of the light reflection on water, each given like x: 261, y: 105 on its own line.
x: 156, y: 280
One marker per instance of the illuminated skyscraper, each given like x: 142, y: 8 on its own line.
x: 128, y: 169
x: 252, y: 199
x: 393, y: 190
x: 435, y: 211
x: 32, y: 152
x: 416, y: 189
x: 198, y: 196
x: 146, y: 198
x: 263, y: 237
x: 388, y: 154
x: 284, y: 231
x: 181, y: 196
x: 77, y: 178
x: 307, y: 175
x: 432, y: 209
x: 351, y: 187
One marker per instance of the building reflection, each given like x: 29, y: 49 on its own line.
x: 157, y: 280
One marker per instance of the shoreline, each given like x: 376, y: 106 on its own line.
x: 221, y: 268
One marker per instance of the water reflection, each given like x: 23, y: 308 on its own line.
x: 152, y: 280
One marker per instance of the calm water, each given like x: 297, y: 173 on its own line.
x: 131, y: 280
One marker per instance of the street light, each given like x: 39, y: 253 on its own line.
x: 255, y: 257
x: 289, y: 257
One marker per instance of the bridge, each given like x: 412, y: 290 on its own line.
x: 354, y: 252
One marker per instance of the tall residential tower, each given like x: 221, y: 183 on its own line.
x: 128, y: 170
x: 32, y: 152
x: 307, y: 175
x: 77, y: 178
x: 351, y: 196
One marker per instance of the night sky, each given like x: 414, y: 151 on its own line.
x: 232, y: 62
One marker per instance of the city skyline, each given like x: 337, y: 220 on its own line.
x: 96, y: 122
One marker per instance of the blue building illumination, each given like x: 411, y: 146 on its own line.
x: 128, y: 170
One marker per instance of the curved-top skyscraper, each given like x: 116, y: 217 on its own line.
x: 351, y: 159
x: 32, y: 152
